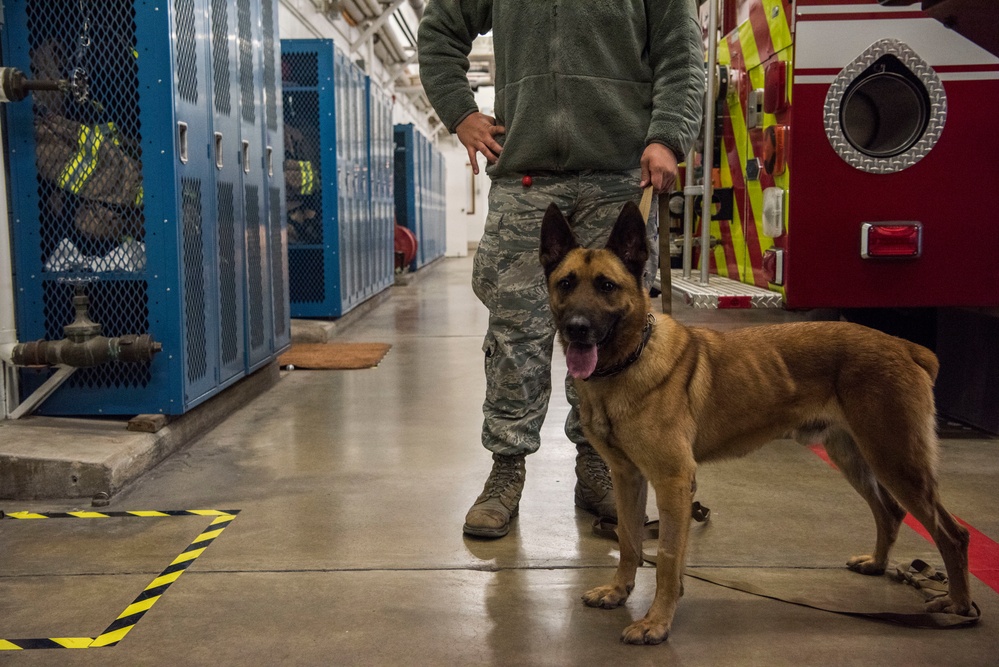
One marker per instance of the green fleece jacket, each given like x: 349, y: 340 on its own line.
x: 580, y: 84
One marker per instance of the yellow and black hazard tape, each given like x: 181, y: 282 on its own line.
x: 127, y: 619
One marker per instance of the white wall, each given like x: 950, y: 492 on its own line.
x: 465, y: 211
x: 467, y: 195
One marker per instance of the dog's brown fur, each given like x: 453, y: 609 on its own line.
x: 696, y: 395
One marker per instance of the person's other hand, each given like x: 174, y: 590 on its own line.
x: 659, y: 167
x: 477, y: 133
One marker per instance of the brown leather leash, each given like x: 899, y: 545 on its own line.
x: 922, y: 577
x: 665, y: 276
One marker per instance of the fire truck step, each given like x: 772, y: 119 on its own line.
x: 722, y: 293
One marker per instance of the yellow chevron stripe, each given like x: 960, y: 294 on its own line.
x: 750, y: 52
x: 741, y: 139
x: 724, y: 56
x: 111, y: 637
x: 188, y: 555
x: 165, y: 579
x: 777, y: 23
x: 754, y: 191
x: 719, y: 252
x: 137, y: 607
x: 208, y: 535
x: 73, y: 642
x: 735, y: 228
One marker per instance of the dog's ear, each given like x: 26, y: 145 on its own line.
x: 627, y: 240
x: 557, y: 239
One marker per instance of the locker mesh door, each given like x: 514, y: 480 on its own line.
x: 90, y: 223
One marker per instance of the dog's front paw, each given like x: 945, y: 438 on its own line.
x: 645, y: 632
x: 606, y: 597
x: 944, y: 605
x: 866, y: 565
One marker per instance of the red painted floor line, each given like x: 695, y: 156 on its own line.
x: 983, y: 551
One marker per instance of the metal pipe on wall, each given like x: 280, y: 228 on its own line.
x: 8, y: 329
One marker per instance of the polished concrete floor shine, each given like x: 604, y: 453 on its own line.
x: 352, y: 487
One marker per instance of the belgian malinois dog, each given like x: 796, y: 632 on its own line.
x: 658, y: 398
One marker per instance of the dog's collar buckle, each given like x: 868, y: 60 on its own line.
x: 633, y: 357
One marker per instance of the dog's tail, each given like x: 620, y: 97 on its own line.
x: 925, y: 359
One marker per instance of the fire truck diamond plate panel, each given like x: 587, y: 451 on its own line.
x: 937, y: 111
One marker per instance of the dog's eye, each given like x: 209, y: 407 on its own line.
x: 606, y: 286
x: 564, y: 285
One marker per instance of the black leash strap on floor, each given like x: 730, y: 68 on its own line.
x: 607, y: 528
x: 918, y: 574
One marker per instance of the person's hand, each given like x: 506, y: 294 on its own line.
x: 659, y: 167
x: 477, y: 133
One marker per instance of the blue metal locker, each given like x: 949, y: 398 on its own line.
x: 225, y: 148
x: 259, y: 307
x: 423, y: 187
x: 407, y: 180
x: 347, y: 182
x: 381, y: 159
x: 144, y: 255
x: 360, y: 194
x: 311, y: 180
x: 274, y: 175
x: 339, y: 249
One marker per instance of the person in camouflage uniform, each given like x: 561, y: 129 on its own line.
x: 594, y: 101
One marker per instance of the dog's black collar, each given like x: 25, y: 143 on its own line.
x: 617, y: 368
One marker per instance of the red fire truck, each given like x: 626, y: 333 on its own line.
x: 857, y: 144
x: 855, y: 166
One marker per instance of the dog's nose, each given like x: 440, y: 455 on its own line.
x: 577, y: 328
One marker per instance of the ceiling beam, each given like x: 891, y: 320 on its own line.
x: 376, y: 25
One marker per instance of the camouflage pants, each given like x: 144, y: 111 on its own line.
x: 508, y: 279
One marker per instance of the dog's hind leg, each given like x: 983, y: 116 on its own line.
x: 952, y: 540
x: 888, y: 514
x: 916, y: 489
x: 631, y: 495
x: 904, y: 464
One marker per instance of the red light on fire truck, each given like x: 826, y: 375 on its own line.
x: 775, y: 87
x: 899, y: 240
x: 773, y: 265
x: 774, y: 149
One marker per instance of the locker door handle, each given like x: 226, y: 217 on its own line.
x: 182, y: 141
x: 219, y: 162
x: 270, y: 161
x: 246, y: 156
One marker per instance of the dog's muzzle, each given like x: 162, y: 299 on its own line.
x: 581, y: 339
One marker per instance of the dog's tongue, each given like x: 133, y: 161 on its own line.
x: 582, y: 360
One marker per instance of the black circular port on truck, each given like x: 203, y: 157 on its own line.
x: 885, y: 110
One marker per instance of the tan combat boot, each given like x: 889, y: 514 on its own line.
x: 500, y: 499
x: 594, y: 492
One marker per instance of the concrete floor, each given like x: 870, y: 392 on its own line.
x: 352, y: 487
